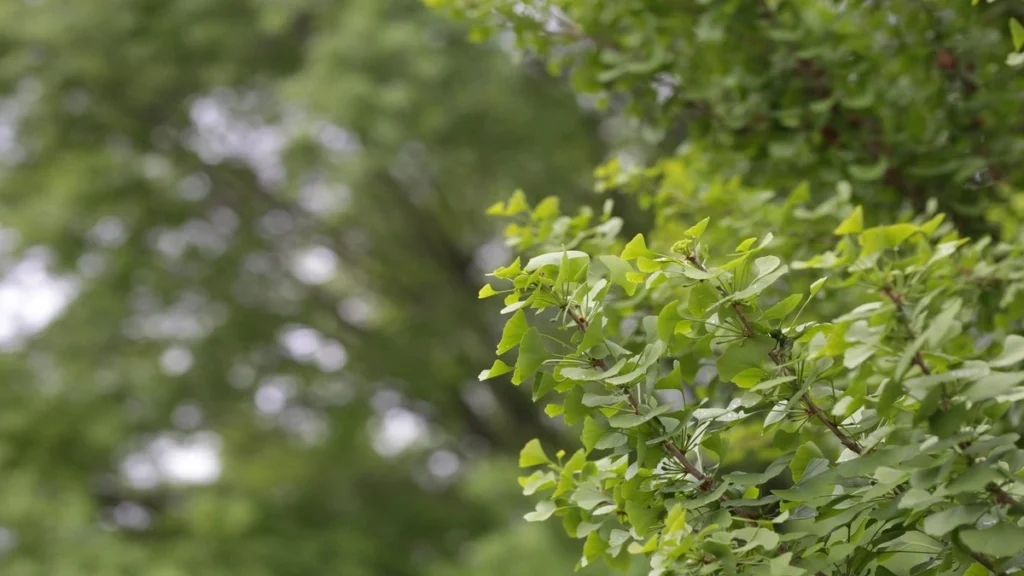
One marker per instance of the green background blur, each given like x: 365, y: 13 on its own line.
x: 240, y: 243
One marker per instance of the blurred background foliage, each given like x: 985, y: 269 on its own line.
x: 242, y: 239
x: 263, y: 222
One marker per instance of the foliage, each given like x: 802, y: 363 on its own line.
x: 908, y: 100
x: 850, y: 322
x: 884, y: 369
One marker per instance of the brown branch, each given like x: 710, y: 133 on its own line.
x: 981, y: 559
x: 814, y: 410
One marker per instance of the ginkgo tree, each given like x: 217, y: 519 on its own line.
x: 879, y: 363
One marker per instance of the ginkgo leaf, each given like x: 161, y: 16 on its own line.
x: 1017, y: 34
x: 807, y: 452
x: 697, y: 230
x: 532, y: 355
x: 783, y: 308
x: 853, y: 224
x: 533, y: 455
x: 619, y: 270
x: 554, y: 259
x: 513, y: 332
x: 497, y: 369
x: 999, y: 541
x: 1013, y: 352
x: 636, y: 248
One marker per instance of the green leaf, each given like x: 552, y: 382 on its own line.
x: 544, y: 510
x: 976, y: 569
x: 804, y: 454
x: 1017, y: 34
x: 671, y: 381
x: 611, y: 440
x: 553, y: 410
x: 533, y: 455
x: 760, y: 283
x: 546, y: 208
x: 1013, y: 352
x: 974, y: 479
x: 513, y: 332
x: 509, y: 272
x: 757, y: 537
x: 532, y: 355
x: 942, y: 523
x: 541, y: 386
x: 620, y: 562
x: 856, y: 355
x: 781, y: 309
x: 694, y: 273
x: 594, y: 334
x: 853, y: 224
x: 772, y: 383
x: 781, y: 566
x: 592, y: 432
x: 486, y: 291
x: 944, y: 423
x: 594, y: 399
x: 817, y: 284
x: 869, y: 172
x: 573, y: 409
x: 749, y: 353
x: 745, y: 245
x: 882, y: 238
x: 697, y: 230
x: 636, y: 248
x: 1000, y: 541
x: 752, y: 479
x: 766, y: 264
x: 641, y: 517
x: 554, y: 259
x: 748, y: 378
x: 594, y: 546
x: 918, y: 499
x: 667, y: 320
x: 702, y: 298
x: 497, y: 369
x: 517, y: 203
x: 618, y: 269
x: 629, y: 420
x: 993, y: 385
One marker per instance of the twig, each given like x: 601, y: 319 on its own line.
x: 981, y: 559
